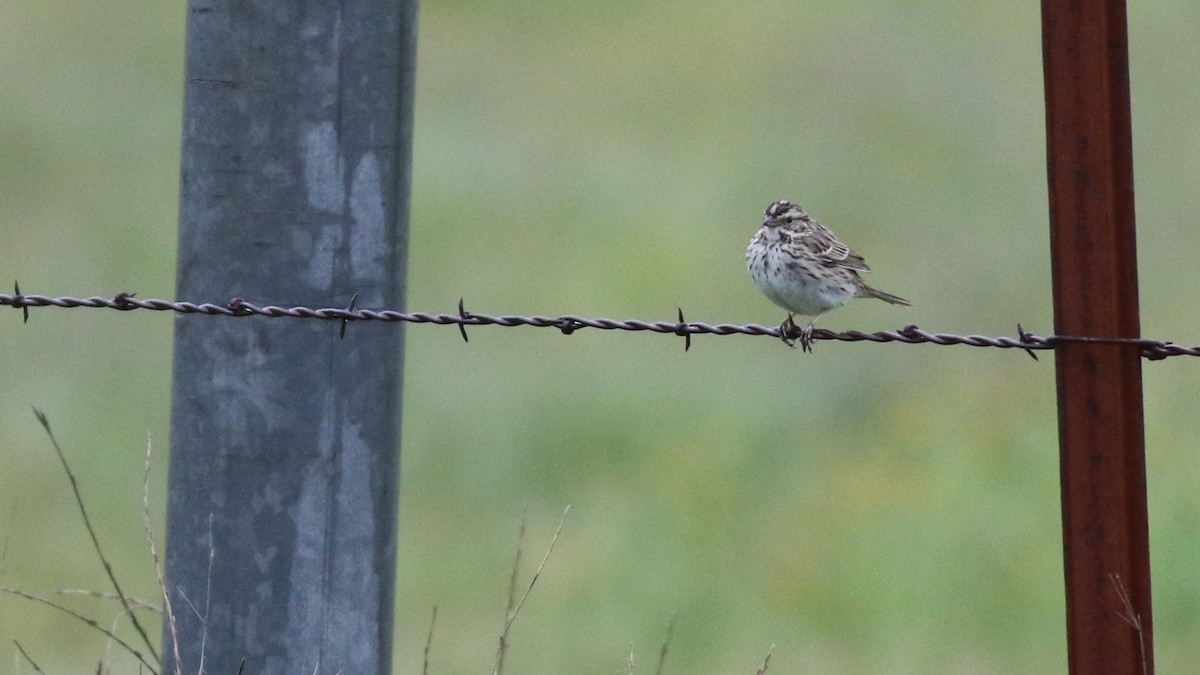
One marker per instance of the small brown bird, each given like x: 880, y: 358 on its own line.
x: 802, y: 267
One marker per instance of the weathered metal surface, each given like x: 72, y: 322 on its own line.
x: 1093, y: 250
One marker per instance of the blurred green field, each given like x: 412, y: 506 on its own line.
x: 869, y: 508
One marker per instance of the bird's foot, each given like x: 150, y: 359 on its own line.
x: 806, y: 338
x: 786, y: 327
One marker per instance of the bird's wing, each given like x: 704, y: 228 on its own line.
x: 826, y: 247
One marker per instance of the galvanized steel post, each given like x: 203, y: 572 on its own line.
x: 281, y: 536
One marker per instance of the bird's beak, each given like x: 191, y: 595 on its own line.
x: 770, y: 221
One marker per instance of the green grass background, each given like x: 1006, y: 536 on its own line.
x: 869, y: 508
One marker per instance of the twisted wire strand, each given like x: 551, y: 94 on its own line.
x: 237, y: 307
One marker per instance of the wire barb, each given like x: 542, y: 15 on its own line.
x: 237, y: 307
x: 911, y: 334
x: 124, y: 302
x: 1026, y: 338
x: 462, y: 325
x: 19, y: 301
x: 682, y: 329
x: 348, y: 319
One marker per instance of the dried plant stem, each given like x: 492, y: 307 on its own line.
x: 502, y: 648
x: 158, y: 570
x: 27, y: 657
x: 90, y: 622
x: 1132, y: 618
x: 136, y: 603
x: 212, y: 553
x: 513, y: 610
x: 662, y: 653
x: 763, y: 669
x: 429, y: 643
x: 112, y: 577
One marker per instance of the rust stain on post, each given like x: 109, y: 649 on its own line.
x: 1093, y: 252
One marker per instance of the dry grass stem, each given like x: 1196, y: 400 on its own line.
x: 112, y: 577
x: 207, y: 595
x: 763, y: 669
x: 108, y: 645
x: 136, y: 603
x: 502, y: 649
x: 429, y: 643
x: 27, y: 657
x: 1132, y: 618
x: 662, y: 653
x: 90, y: 622
x: 158, y: 570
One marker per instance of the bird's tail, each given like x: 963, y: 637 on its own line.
x: 886, y: 297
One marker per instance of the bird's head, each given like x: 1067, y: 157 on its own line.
x: 783, y: 213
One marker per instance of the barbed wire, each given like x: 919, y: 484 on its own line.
x: 568, y: 324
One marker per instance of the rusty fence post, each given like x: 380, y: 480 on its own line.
x: 1094, y: 258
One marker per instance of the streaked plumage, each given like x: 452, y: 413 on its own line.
x: 801, y: 266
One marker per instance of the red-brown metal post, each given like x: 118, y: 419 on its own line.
x: 1093, y: 252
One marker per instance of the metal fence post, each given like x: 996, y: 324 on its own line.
x: 1093, y: 247
x: 284, y: 459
